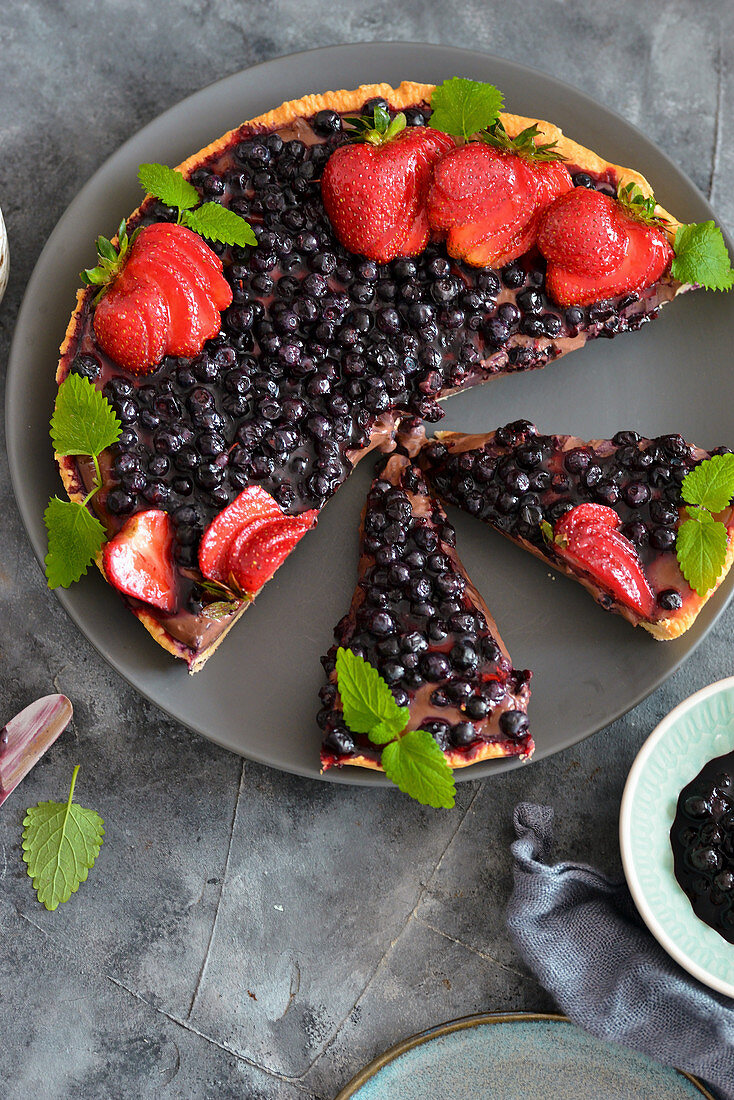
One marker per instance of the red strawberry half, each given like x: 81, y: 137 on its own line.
x: 139, y: 559
x: 488, y: 201
x: 595, y: 250
x: 588, y: 537
x: 375, y: 190
x: 247, y: 541
x: 166, y: 299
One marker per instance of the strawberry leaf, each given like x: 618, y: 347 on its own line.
x: 367, y: 702
x: 701, y: 257
x: 168, y: 185
x: 416, y: 765
x: 75, y: 537
x: 710, y: 485
x: 701, y: 550
x: 83, y: 421
x: 61, y: 841
x: 463, y: 107
x: 217, y: 223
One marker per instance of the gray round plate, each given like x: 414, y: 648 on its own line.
x: 258, y: 694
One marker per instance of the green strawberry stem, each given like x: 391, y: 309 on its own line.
x: 523, y: 144
x: 379, y: 129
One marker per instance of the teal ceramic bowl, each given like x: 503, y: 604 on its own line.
x: 516, y: 1056
x: 699, y: 729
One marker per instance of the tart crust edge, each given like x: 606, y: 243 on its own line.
x: 407, y: 94
x: 490, y: 750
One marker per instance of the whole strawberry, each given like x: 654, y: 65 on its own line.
x: 375, y: 189
x: 164, y: 296
x: 598, y: 247
x: 488, y: 195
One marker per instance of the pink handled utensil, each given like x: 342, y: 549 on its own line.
x: 25, y: 738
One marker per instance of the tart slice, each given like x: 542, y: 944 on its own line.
x: 321, y: 351
x: 606, y: 512
x: 416, y: 617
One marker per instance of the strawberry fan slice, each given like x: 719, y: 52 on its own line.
x: 606, y: 512
x: 418, y: 619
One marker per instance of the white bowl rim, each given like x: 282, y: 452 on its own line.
x: 625, y: 818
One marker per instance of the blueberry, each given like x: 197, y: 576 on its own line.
x: 662, y: 538
x: 477, y: 707
x: 463, y: 734
x: 86, y: 366
x: 636, y: 493
x: 326, y: 123
x: 705, y: 859
x: 696, y: 806
x: 670, y: 599
x: 514, y: 723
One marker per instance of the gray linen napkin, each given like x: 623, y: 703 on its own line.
x: 582, y: 936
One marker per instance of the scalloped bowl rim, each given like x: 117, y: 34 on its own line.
x: 644, y: 908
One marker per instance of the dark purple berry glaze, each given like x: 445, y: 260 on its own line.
x: 515, y: 479
x: 416, y: 617
x: 702, y: 838
x: 319, y: 354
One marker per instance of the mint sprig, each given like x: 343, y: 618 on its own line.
x: 463, y: 107
x: 411, y: 759
x: 702, y: 540
x: 209, y: 220
x: 61, y: 841
x: 83, y: 423
x: 701, y: 257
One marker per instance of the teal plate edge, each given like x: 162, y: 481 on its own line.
x: 367, y: 1085
x: 698, y: 729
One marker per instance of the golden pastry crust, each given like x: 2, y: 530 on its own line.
x: 486, y: 751
x: 407, y: 94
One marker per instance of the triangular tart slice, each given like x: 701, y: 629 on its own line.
x: 605, y: 511
x: 416, y: 617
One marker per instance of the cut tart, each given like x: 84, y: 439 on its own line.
x: 606, y: 512
x: 321, y: 351
x: 416, y: 617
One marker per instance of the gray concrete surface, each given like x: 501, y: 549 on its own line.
x: 246, y: 933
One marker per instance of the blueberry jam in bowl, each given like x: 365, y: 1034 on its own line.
x: 677, y: 834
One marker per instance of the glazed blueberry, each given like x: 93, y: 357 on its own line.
x: 514, y: 723
x: 326, y: 123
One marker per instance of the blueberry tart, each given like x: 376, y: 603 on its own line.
x: 271, y: 368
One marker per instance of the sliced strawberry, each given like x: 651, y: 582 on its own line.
x: 488, y: 200
x: 166, y: 299
x: 253, y: 503
x: 472, y: 181
x: 132, y: 319
x: 647, y: 256
x: 375, y: 192
x: 139, y: 559
x: 554, y: 180
x: 588, y: 538
x: 261, y: 555
x: 187, y: 329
